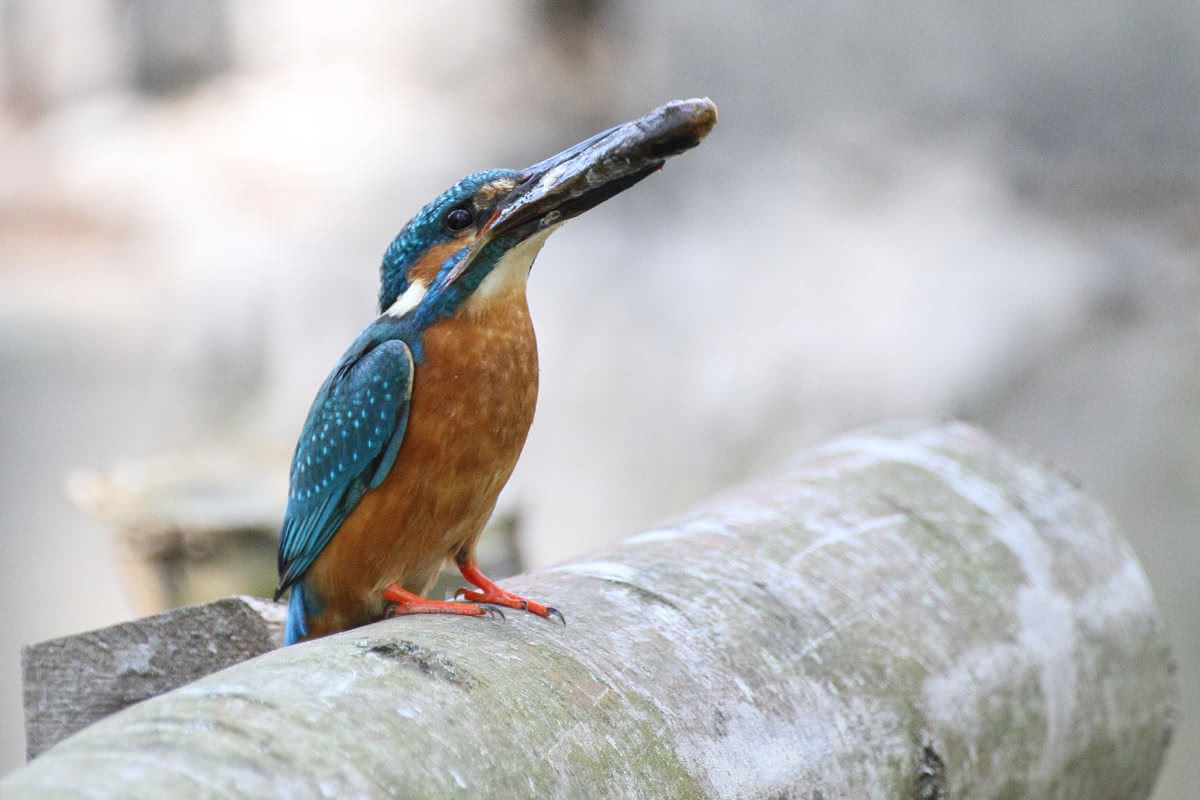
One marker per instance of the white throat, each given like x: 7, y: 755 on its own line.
x: 511, y: 273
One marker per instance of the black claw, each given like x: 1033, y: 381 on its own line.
x: 493, y: 612
x: 554, y: 612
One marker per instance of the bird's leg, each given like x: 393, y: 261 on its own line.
x: 408, y: 603
x: 489, y: 592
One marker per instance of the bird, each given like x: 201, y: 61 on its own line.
x: 418, y: 427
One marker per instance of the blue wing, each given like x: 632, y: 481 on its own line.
x: 348, y: 445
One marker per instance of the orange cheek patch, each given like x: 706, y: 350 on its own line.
x: 428, y: 266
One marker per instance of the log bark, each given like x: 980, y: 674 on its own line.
x: 912, y: 611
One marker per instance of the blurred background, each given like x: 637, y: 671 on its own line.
x: 934, y: 208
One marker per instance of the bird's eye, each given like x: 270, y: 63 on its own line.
x: 458, y: 219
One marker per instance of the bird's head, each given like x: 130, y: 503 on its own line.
x: 482, y: 234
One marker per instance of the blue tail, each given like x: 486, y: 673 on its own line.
x: 297, y: 619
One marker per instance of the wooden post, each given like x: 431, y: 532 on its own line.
x: 71, y: 682
x: 912, y: 611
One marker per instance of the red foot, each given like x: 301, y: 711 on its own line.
x: 491, y: 593
x: 409, y: 603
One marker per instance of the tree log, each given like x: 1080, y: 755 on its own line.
x: 912, y: 611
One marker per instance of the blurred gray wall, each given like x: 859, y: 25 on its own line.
x: 929, y: 209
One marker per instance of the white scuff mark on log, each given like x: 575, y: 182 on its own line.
x: 840, y: 534
x: 603, y: 570
x: 654, y: 535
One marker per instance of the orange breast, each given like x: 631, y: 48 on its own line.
x: 473, y: 399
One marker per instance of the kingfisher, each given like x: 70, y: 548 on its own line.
x: 418, y: 427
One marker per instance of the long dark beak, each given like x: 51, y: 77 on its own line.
x: 588, y: 173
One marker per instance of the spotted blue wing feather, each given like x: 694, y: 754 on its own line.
x: 348, y: 445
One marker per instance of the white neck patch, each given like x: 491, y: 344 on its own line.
x: 410, y: 299
x: 512, y: 271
